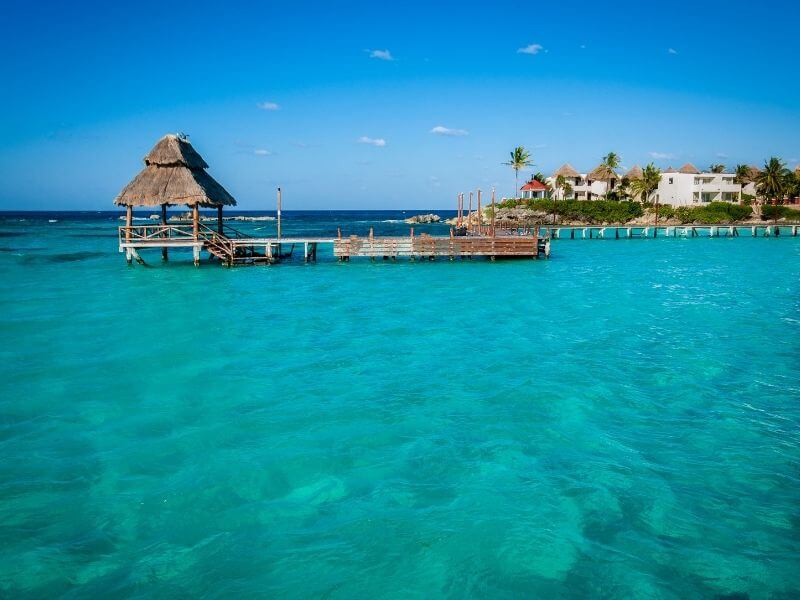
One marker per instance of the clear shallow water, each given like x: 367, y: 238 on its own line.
x: 619, y: 422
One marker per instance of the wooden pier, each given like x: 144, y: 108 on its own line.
x: 232, y: 247
x: 604, y: 232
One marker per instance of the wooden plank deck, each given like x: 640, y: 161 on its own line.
x: 242, y: 249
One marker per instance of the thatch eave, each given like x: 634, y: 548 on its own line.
x: 174, y: 185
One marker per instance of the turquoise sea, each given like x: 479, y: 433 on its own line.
x: 621, y: 421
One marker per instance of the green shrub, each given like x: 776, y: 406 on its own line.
x: 770, y: 212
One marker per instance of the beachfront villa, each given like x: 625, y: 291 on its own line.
x: 678, y: 187
x: 533, y: 190
x: 593, y: 185
x: 688, y: 186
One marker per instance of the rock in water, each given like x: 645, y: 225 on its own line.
x: 429, y: 218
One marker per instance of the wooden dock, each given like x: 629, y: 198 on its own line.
x: 232, y: 247
x: 605, y: 232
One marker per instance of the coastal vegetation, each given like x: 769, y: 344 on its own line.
x: 642, y: 187
x: 621, y: 212
x: 773, y: 212
x: 713, y: 212
x: 775, y: 181
x: 592, y: 211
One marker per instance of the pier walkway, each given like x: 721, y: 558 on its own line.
x: 650, y: 231
x: 233, y: 247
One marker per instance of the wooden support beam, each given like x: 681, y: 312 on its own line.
x: 128, y: 222
x: 480, y: 216
x: 196, y: 221
x: 469, y: 213
x: 164, y: 250
x: 493, y: 211
x: 219, y: 220
x: 279, y: 213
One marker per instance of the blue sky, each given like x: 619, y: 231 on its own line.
x: 339, y: 103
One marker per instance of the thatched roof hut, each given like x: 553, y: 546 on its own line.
x: 603, y: 173
x: 670, y: 169
x: 689, y: 169
x: 566, y: 170
x: 174, y: 173
x: 634, y: 173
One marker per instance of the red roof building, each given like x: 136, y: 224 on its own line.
x: 533, y: 189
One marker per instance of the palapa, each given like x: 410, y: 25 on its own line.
x: 603, y: 172
x: 174, y: 174
x: 635, y: 173
x: 567, y: 171
x: 689, y: 169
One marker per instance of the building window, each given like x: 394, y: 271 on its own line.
x: 670, y: 180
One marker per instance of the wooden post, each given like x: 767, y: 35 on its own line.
x: 493, y: 211
x: 219, y: 220
x: 279, y: 213
x: 196, y: 221
x: 128, y: 222
x: 480, y: 220
x: 469, y: 213
x: 164, y: 250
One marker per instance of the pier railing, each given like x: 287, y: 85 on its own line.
x: 155, y: 233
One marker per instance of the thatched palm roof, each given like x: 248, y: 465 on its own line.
x: 602, y: 173
x: 567, y: 171
x: 174, y: 173
x: 635, y: 172
x: 670, y: 169
x: 689, y: 169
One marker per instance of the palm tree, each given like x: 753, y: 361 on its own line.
x: 539, y: 176
x: 611, y: 160
x: 743, y: 176
x: 772, y: 182
x: 717, y: 168
x: 610, y: 164
x: 647, y: 184
x: 520, y: 158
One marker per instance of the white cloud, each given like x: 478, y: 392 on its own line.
x: 530, y: 49
x: 441, y: 130
x: 379, y: 142
x: 380, y: 54
x: 661, y: 155
x: 268, y: 106
x: 672, y: 51
x: 262, y: 152
x: 722, y: 155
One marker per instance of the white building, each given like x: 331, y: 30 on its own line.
x: 584, y: 186
x: 688, y: 186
